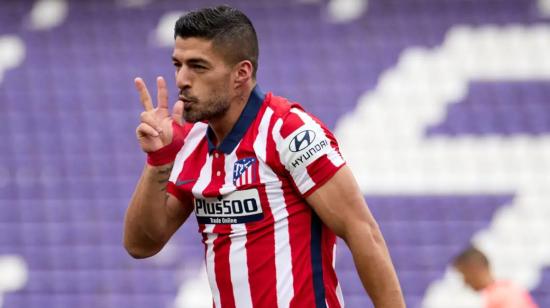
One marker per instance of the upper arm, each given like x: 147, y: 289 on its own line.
x: 177, y: 213
x: 311, y: 157
x: 340, y: 204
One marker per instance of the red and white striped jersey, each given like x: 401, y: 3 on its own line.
x: 264, y: 245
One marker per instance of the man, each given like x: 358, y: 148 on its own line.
x: 475, y: 269
x: 265, y: 179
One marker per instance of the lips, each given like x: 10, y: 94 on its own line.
x: 186, y: 101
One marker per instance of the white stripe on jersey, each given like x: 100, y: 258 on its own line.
x: 275, y: 196
x: 201, y: 183
x: 192, y: 140
x: 239, y: 267
x: 237, y: 252
x: 260, y: 144
x: 229, y: 164
x: 302, y: 179
x: 334, y: 157
x: 210, y: 265
x: 205, y: 177
x: 248, y: 175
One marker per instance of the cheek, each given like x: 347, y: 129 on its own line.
x: 219, y: 83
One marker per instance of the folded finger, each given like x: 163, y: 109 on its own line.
x: 145, y: 129
x: 149, y: 119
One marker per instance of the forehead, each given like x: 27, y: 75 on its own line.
x: 194, y: 48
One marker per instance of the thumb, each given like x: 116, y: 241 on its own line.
x: 177, y: 112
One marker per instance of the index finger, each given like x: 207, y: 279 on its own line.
x: 144, y: 96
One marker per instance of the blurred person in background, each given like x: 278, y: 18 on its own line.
x: 265, y: 179
x: 476, y: 272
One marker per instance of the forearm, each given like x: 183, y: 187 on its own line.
x: 374, y: 266
x: 146, y: 216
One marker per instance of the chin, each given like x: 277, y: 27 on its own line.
x: 191, y: 120
x: 190, y: 117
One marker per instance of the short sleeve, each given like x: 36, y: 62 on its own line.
x: 192, y: 135
x: 308, y: 150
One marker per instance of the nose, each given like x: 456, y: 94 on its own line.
x: 183, y: 80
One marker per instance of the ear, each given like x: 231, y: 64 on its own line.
x: 243, y: 72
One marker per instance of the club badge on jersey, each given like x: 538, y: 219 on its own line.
x: 244, y: 171
x: 236, y: 207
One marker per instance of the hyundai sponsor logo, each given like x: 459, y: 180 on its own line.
x: 309, y: 153
x: 302, y: 140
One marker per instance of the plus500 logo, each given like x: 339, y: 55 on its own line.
x: 240, y: 206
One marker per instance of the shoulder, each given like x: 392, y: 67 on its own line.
x: 280, y: 106
x: 305, y: 148
x: 292, y: 116
x: 504, y: 291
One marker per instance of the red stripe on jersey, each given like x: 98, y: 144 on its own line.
x: 185, y: 129
x: 320, y: 171
x: 260, y: 238
x: 189, y: 174
x: 223, y: 270
x: 222, y: 243
x: 260, y: 254
x: 292, y: 122
x: 329, y: 275
x: 299, y: 228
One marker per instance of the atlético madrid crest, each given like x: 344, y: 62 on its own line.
x: 244, y: 171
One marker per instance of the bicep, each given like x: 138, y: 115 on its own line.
x: 340, y: 204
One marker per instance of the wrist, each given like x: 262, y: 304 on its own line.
x: 167, y: 154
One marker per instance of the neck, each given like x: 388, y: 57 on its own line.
x: 222, y: 126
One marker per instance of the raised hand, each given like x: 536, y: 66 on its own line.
x: 155, y: 130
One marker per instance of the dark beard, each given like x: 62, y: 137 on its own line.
x: 206, y: 110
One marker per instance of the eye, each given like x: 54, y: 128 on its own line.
x: 198, y: 67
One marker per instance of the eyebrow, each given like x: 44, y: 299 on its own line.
x: 192, y: 61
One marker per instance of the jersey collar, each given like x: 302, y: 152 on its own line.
x: 241, y: 126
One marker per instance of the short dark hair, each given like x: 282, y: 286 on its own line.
x: 471, y: 255
x: 230, y: 30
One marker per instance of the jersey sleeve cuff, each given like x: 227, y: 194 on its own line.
x: 185, y: 198
x: 324, y: 172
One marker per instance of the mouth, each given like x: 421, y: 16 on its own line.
x: 186, y: 101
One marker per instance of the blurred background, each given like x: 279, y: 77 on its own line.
x: 442, y: 109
